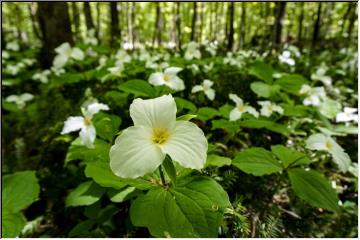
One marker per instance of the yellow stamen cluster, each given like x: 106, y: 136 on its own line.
x: 87, y: 121
x: 160, y: 135
x: 328, y: 145
x: 166, y: 77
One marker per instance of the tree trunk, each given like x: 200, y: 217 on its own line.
x: 76, y: 19
x: 98, y: 20
x: 33, y: 20
x: 242, y: 25
x: 55, y: 26
x: 300, y: 27
x: 114, y: 28
x: 193, y: 22
x: 316, y: 32
x: 178, y: 26
x: 352, y: 19
x: 158, y: 26
x: 88, y: 18
x: 216, y: 21
x: 202, y: 12
x: 133, y: 27
x: 277, y: 30
x: 231, y: 27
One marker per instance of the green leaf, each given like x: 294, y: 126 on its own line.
x: 295, y: 110
x: 264, y: 90
x: 257, y: 161
x: 183, y: 103
x: 225, y: 110
x: 262, y: 71
x: 85, y: 194
x: 206, y: 113
x: 122, y: 195
x: 12, y: 224
x: 106, y: 125
x: 138, y: 88
x: 291, y: 83
x: 186, y: 117
x: 229, y: 126
x: 82, y: 228
x: 314, y: 189
x: 217, y: 161
x: 289, y: 156
x: 78, y: 151
x: 19, y: 191
x: 194, y: 208
x: 170, y: 169
x: 272, y: 126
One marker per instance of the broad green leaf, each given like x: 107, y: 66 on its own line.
x: 291, y: 83
x: 183, y: 103
x: 78, y: 151
x: 106, y: 125
x: 19, y: 191
x: 272, y: 126
x: 85, y: 194
x: 206, y: 113
x: 262, y: 71
x: 257, y: 161
x: 122, y: 195
x: 138, y: 88
x: 264, y: 90
x: 229, y: 126
x: 295, y: 110
x: 170, y: 169
x: 218, y: 161
x: 194, y: 208
x: 66, y: 78
x: 225, y: 110
x: 12, y: 224
x: 289, y: 156
x: 82, y: 229
x: 314, y: 189
x: 186, y: 117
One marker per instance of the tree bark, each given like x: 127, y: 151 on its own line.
x: 193, y: 22
x: 76, y: 19
x: 158, y: 26
x: 114, y: 28
x: 178, y: 26
x: 352, y: 19
x: 277, y: 30
x: 301, y: 19
x: 98, y: 20
x: 54, y: 22
x: 231, y: 27
x: 242, y: 25
x: 133, y: 27
x: 316, y: 31
x: 88, y: 18
x: 33, y: 20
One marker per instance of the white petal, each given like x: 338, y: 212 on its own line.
x: 73, y: 124
x: 235, y: 98
x: 26, y: 97
x: 197, y: 88
x: 252, y: 111
x: 265, y: 111
x: 343, y: 117
x: 235, y: 114
x: 278, y: 109
x: 317, y: 142
x: 175, y: 83
x: 172, y: 70
x: 208, y: 83
x: 157, y: 79
x: 88, y: 135
x: 12, y: 98
x: 264, y: 103
x: 154, y: 113
x: 342, y: 159
x: 77, y: 54
x: 133, y: 154
x: 187, y: 145
x: 63, y: 49
x: 95, y: 108
x: 350, y: 110
x: 60, y: 61
x: 210, y: 93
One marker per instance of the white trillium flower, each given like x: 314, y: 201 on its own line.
x: 20, y: 100
x: 116, y: 70
x: 267, y: 108
x: 83, y: 123
x: 168, y: 78
x: 208, y: 67
x: 192, y: 51
x: 285, y: 57
x: 57, y: 71
x: 141, y: 149
x: 194, y: 68
x: 206, y: 88
x: 64, y: 53
x: 314, y: 95
x: 240, y: 108
x: 323, y: 142
x: 329, y: 107
x: 13, y: 46
x: 90, y: 38
x: 348, y: 115
x: 319, y: 75
x: 42, y: 76
x: 122, y: 56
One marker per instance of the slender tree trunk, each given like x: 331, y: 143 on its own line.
x: 300, y: 27
x: 345, y: 17
x: 202, y: 10
x: 231, y: 27
x: 242, y: 25
x: 133, y: 32
x: 88, y: 18
x: 216, y: 21
x: 316, y: 31
x: 54, y: 22
x: 352, y: 19
x: 278, y: 26
x: 211, y: 20
x: 177, y: 22
x: 158, y: 26
x: 98, y: 20
x: 114, y: 24
x: 34, y: 25
x: 76, y: 19
x: 193, y: 22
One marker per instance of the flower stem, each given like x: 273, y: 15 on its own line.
x: 162, y: 175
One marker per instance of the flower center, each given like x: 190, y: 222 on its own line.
x: 87, y: 121
x: 166, y: 77
x: 206, y: 87
x: 241, y: 108
x: 328, y: 145
x: 160, y: 135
